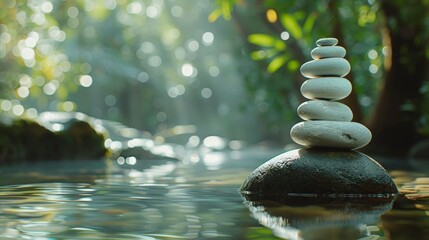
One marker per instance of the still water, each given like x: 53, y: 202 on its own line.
x: 198, y: 199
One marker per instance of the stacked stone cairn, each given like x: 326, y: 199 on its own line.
x: 328, y: 123
x: 328, y: 164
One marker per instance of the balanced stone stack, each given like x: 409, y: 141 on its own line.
x: 328, y: 123
x: 328, y: 164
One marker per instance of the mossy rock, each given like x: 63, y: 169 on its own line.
x: 27, y: 140
x: 82, y: 140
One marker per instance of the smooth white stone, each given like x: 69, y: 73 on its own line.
x: 331, y: 134
x: 326, y: 67
x: 328, y: 52
x: 327, y: 42
x: 325, y: 110
x: 331, y: 88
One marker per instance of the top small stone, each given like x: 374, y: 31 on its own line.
x: 327, y: 42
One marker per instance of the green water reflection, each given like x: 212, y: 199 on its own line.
x: 165, y: 199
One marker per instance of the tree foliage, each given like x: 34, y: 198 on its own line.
x: 149, y: 64
x: 376, y: 35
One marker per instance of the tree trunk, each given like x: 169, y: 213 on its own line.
x: 351, y: 100
x: 394, y: 122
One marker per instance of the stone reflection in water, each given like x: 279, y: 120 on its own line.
x: 299, y: 218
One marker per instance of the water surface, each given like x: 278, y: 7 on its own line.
x: 195, y: 199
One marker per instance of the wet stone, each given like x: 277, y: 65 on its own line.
x: 327, y: 42
x: 328, y: 165
x: 328, y: 52
x: 331, y: 134
x: 325, y: 67
x: 325, y: 110
x: 331, y: 88
x: 319, y: 171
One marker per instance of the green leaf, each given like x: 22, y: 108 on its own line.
x: 261, y: 39
x: 265, y: 40
x: 271, y: 53
x: 309, y: 22
x: 258, y: 55
x: 276, y: 63
x: 226, y: 9
x: 263, y: 54
x: 291, y: 25
x: 279, y: 45
x: 293, y: 65
x: 213, y: 16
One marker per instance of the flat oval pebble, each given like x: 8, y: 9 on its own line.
x: 325, y: 67
x: 332, y: 134
x: 327, y: 42
x: 331, y: 88
x: 325, y: 110
x: 328, y: 52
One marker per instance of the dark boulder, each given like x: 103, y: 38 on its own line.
x: 319, y: 172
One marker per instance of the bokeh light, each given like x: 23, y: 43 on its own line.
x: 187, y: 70
x: 284, y: 35
x: 135, y: 8
x: 68, y: 106
x: 206, y: 93
x: 85, y: 81
x: 110, y: 100
x: 214, y: 71
x: 193, y: 45
x: 373, y: 68
x: 18, y: 110
x: 152, y: 11
x: 51, y: 87
x: 6, y: 105
x: 47, y: 7
x: 152, y: 60
x: 271, y: 15
x: 372, y: 54
x: 23, y: 92
x: 208, y: 38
